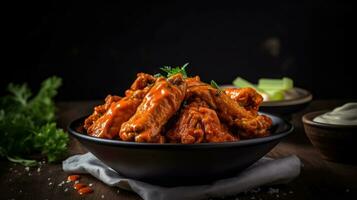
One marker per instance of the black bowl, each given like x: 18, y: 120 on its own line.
x: 181, y: 164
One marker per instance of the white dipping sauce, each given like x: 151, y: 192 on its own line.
x: 344, y: 115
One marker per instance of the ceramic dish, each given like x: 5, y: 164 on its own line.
x: 335, y: 142
x: 174, y: 164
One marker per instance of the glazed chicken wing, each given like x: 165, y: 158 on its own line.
x: 194, y: 81
x: 159, y: 105
x: 107, y: 119
x: 142, y: 82
x: 251, y: 125
x: 248, y: 97
x: 198, y: 123
x: 100, y: 110
x: 209, y: 114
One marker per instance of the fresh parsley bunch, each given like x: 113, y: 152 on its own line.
x: 27, y: 124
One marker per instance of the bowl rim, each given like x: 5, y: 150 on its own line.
x: 305, y: 98
x: 247, y: 142
x: 308, y: 119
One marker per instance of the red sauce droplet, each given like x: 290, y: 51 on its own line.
x: 85, y: 190
x: 78, y: 186
x: 73, y: 177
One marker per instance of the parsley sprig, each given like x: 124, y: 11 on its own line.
x: 170, y: 71
x: 27, y: 124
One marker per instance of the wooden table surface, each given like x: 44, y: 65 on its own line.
x: 319, y: 179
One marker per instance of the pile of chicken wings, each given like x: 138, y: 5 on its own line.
x: 179, y: 110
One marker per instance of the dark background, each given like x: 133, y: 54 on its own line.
x: 98, y: 48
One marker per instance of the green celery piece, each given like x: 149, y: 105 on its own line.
x: 288, y: 83
x: 275, y: 95
x: 241, y: 82
x: 275, y: 84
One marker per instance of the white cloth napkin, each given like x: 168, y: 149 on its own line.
x: 266, y: 171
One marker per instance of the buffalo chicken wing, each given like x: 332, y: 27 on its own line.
x: 251, y: 124
x: 159, y: 105
x: 107, y: 119
x: 198, y: 123
x: 248, y: 97
x: 179, y: 110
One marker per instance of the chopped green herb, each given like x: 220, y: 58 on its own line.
x: 158, y: 75
x: 215, y: 85
x: 184, y: 103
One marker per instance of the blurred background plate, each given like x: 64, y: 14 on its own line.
x: 286, y: 107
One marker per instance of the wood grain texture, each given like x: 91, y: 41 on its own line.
x: 319, y: 179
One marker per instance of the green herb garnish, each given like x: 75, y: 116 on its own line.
x: 158, y: 75
x: 215, y: 85
x: 175, y: 70
x: 27, y: 125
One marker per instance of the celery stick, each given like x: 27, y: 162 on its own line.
x: 270, y: 84
x: 288, y: 83
x: 240, y: 82
x: 275, y: 95
x: 275, y: 84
